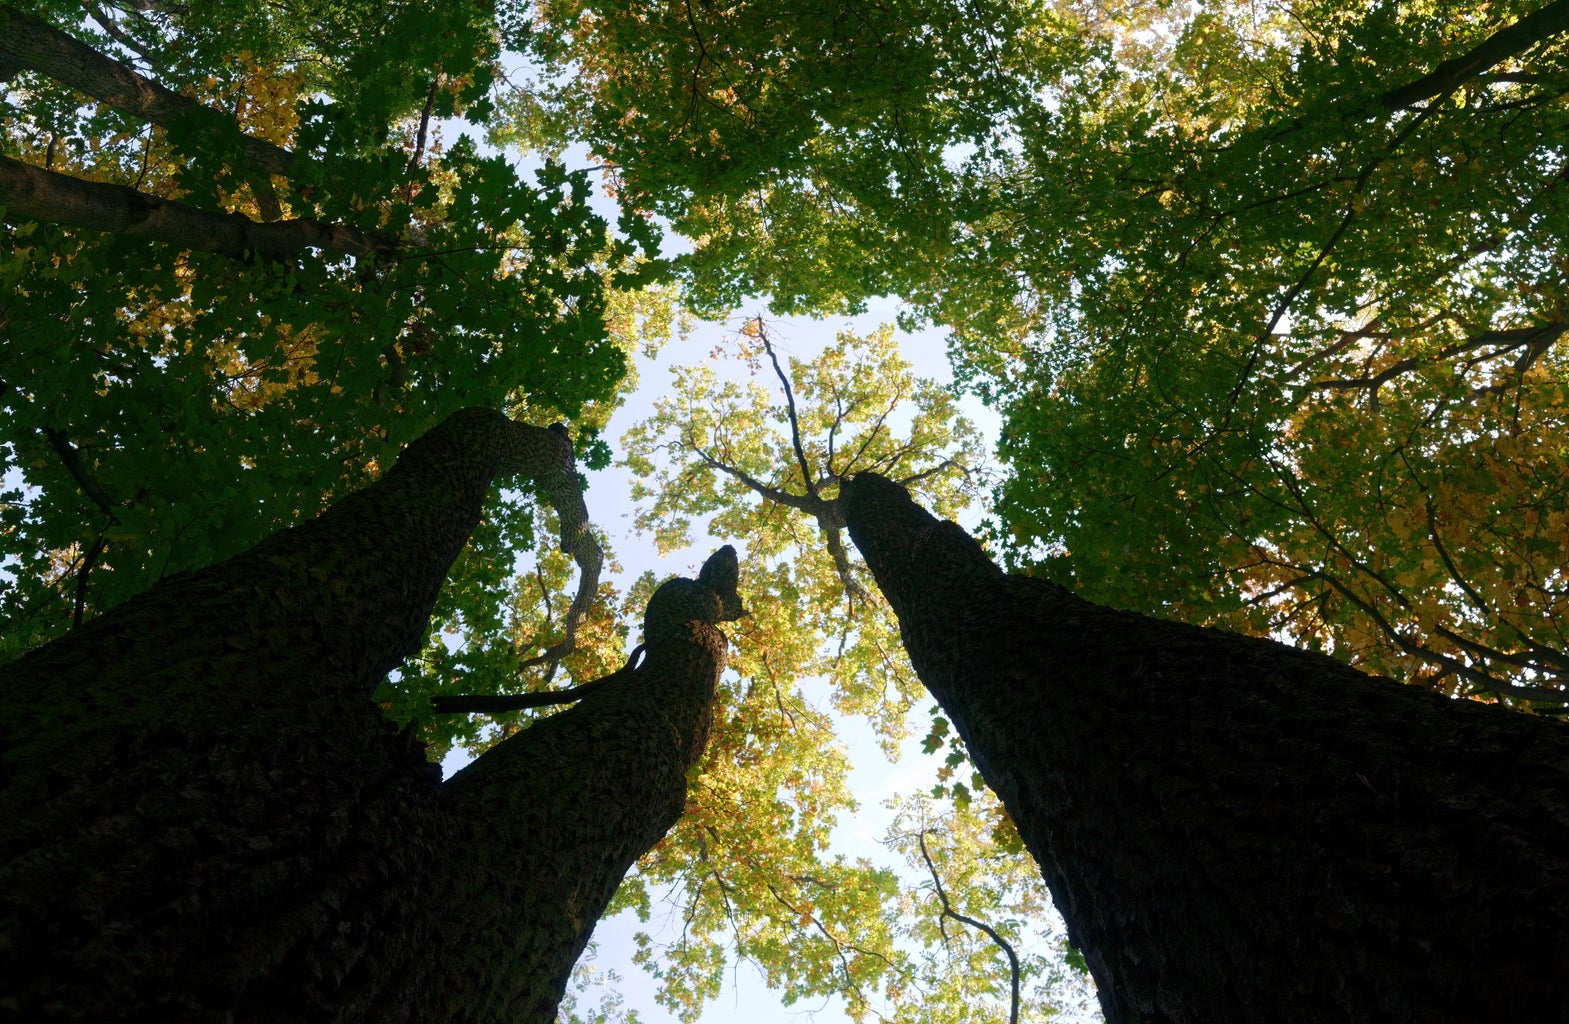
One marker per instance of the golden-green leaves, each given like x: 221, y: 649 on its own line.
x: 721, y: 452
x: 731, y: 450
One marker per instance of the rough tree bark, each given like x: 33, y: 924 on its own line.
x: 203, y: 817
x: 1237, y: 830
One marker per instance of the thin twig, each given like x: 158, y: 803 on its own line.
x: 948, y: 911
x: 795, y: 423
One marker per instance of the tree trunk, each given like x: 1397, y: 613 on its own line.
x: 1237, y: 830
x: 205, y: 818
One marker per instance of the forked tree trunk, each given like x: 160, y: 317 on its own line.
x: 1237, y: 830
x: 204, y: 817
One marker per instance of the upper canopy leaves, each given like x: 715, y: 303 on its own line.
x: 1271, y: 295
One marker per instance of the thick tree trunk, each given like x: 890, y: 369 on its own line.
x: 203, y: 816
x: 1237, y: 830
x: 32, y: 193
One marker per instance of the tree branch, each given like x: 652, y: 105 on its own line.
x: 1449, y: 563
x: 564, y: 492
x: 496, y: 704
x: 948, y: 911
x: 836, y: 551
x: 1535, y: 27
x: 1484, y: 681
x: 801, y: 503
x: 424, y: 126
x: 32, y: 193
x: 72, y: 459
x: 81, y: 581
x: 795, y: 423
x: 1534, y: 340
x: 1346, y: 220
x: 29, y: 42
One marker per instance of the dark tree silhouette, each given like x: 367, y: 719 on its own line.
x: 1237, y: 830
x: 206, y: 818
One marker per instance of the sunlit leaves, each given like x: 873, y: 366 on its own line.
x: 747, y: 865
x: 808, y: 153
x: 720, y: 451
x: 1193, y: 250
x: 1305, y: 377
x: 956, y: 973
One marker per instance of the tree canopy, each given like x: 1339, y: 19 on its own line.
x: 1269, y: 297
x: 173, y: 405
x: 1269, y: 294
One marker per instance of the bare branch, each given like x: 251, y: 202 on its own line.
x: 836, y: 550
x: 496, y: 704
x: 71, y: 457
x: 809, y: 504
x: 564, y: 493
x: 948, y: 911
x: 424, y: 126
x: 1449, y: 563
x: 32, y: 193
x: 1534, y: 340
x: 81, y: 580
x: 795, y: 423
x: 29, y: 42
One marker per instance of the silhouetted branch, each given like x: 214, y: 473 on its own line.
x: 32, y: 193
x: 948, y: 911
x: 29, y: 42
x: 71, y: 457
x: 81, y: 580
x: 795, y: 423
x: 424, y: 127
x: 1540, y: 24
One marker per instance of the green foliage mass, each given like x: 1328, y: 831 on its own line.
x: 165, y: 408
x: 1277, y: 347
x: 748, y: 869
x: 1270, y: 295
x: 815, y: 155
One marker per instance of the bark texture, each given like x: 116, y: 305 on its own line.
x: 1237, y: 830
x: 1511, y: 41
x: 203, y: 817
